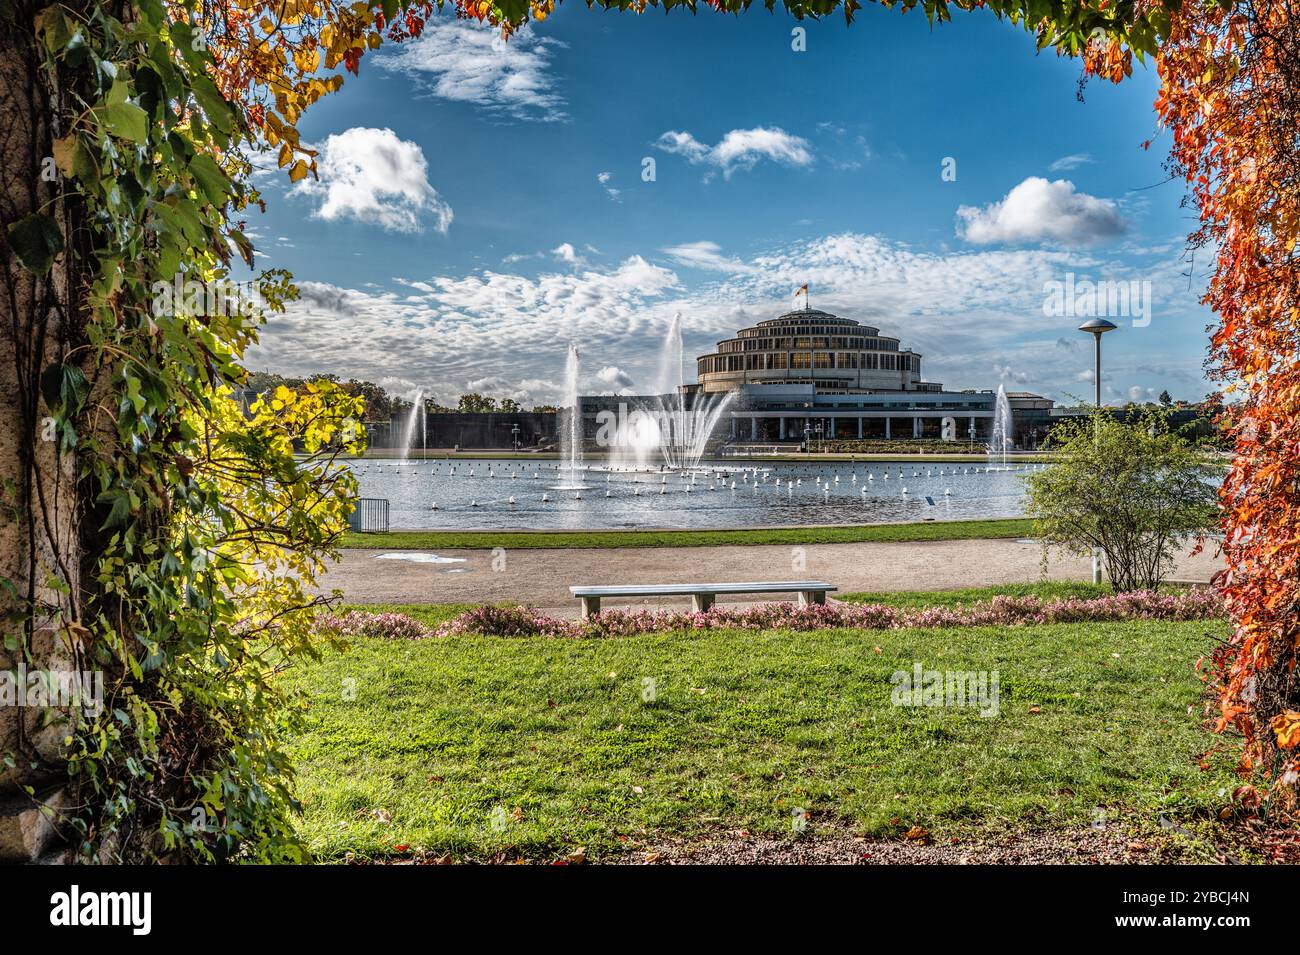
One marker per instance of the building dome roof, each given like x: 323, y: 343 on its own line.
x: 815, y: 313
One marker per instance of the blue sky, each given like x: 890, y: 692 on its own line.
x: 480, y: 205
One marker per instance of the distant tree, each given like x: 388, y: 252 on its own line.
x: 1166, y: 399
x: 544, y: 409
x: 379, y: 406
x: 475, y: 403
x: 508, y: 406
x: 1132, y: 488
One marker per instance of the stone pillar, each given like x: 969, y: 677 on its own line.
x: 753, y: 428
x: 916, y: 427
x: 782, y: 420
x: 860, y: 432
x: 889, y: 433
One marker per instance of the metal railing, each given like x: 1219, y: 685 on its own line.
x: 370, y: 516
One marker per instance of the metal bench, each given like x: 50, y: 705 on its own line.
x: 702, y: 595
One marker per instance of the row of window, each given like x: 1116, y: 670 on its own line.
x: 800, y: 328
x: 787, y: 344
x: 776, y: 361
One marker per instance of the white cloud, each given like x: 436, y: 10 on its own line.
x: 1040, y: 211
x: 468, y: 62
x: 373, y: 176
x: 705, y: 255
x: 604, y: 178
x: 614, y: 377
x: 1073, y: 161
x: 976, y: 316
x: 566, y: 253
x: 508, y: 328
x: 740, y: 148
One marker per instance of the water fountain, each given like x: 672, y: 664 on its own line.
x: 571, y: 428
x: 1001, y: 438
x: 670, y: 429
x: 408, y: 430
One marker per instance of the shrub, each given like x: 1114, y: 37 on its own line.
x: 1133, y: 490
x: 1193, y: 604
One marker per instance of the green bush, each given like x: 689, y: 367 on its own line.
x: 1133, y: 490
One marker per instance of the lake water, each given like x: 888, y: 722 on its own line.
x: 469, y: 493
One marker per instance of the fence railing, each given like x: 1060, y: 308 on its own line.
x: 370, y: 516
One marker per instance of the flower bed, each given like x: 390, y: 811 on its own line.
x: 1193, y: 604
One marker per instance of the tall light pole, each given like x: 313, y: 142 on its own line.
x: 1096, y: 327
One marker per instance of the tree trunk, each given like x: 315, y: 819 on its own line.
x: 39, y: 549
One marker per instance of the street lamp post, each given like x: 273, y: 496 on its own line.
x: 514, y: 436
x: 807, y: 437
x: 819, y: 436
x: 1096, y: 327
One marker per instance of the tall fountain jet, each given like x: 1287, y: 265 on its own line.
x: 571, y: 431
x: 417, y: 416
x: 684, y: 431
x: 1001, y: 438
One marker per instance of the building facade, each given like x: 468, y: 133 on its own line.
x: 809, y: 377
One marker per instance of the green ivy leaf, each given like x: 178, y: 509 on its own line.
x: 63, y: 387
x: 125, y: 120
x: 36, y: 240
x: 211, y: 179
x: 55, y: 28
x: 214, y: 105
x: 119, y: 510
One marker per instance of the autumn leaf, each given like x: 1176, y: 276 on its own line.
x: 1287, y: 728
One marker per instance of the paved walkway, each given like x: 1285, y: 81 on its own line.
x: 541, y: 578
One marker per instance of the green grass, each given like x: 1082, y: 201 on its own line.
x: 925, y: 531
x: 1044, y: 590
x: 746, y: 726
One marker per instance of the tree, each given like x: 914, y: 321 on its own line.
x: 1166, y: 399
x: 475, y: 403
x: 508, y: 406
x: 1134, y: 490
x: 154, y: 533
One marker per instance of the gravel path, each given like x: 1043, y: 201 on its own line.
x: 1077, y: 846
x: 541, y: 578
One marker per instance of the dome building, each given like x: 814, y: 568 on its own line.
x: 809, y: 376
x: 808, y: 346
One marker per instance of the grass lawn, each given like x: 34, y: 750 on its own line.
x: 924, y: 531
x: 1044, y: 590
x: 477, y: 744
